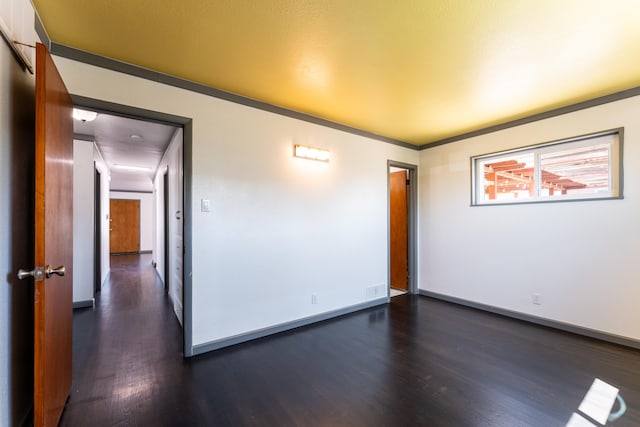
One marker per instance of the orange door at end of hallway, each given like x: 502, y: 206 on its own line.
x: 124, y: 236
x: 398, y: 229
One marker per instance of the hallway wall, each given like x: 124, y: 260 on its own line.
x: 83, y: 220
x: 87, y: 158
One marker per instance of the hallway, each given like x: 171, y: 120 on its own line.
x: 127, y: 353
x: 415, y: 361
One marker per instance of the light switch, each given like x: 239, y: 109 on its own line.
x: 205, y: 205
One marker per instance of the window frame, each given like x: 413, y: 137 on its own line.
x: 615, y: 169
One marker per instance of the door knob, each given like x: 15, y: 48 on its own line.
x: 51, y: 271
x: 37, y: 273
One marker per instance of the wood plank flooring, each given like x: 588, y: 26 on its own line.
x: 413, y: 362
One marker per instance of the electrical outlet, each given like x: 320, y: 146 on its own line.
x: 370, y: 292
x: 314, y: 298
x: 205, y: 205
x: 535, y: 299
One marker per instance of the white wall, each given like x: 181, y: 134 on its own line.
x: 146, y: 215
x: 130, y: 181
x: 158, y: 221
x: 582, y: 257
x: 86, y: 158
x: 83, y: 220
x: 280, y: 229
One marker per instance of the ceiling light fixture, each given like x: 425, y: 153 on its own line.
x: 84, y: 115
x: 132, y: 168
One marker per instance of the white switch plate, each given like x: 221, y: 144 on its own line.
x: 205, y: 205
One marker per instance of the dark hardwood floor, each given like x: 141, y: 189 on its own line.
x: 414, y: 362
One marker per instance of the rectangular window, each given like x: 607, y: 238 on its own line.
x: 585, y: 167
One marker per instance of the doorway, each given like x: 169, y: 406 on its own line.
x: 159, y: 176
x: 402, y: 219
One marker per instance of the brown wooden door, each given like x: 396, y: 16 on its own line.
x: 53, y: 242
x: 398, y: 229
x: 125, y: 226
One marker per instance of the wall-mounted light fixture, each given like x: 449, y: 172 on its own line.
x: 84, y: 115
x: 312, y: 153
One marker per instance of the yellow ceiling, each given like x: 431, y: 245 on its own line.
x: 413, y: 70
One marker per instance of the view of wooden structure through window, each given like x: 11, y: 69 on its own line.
x: 561, y: 173
x: 565, y: 170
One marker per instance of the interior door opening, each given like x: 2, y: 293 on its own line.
x: 139, y: 164
x: 401, y: 178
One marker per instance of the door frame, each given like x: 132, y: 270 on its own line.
x: 97, y: 231
x: 186, y: 123
x: 412, y: 216
x: 165, y: 227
